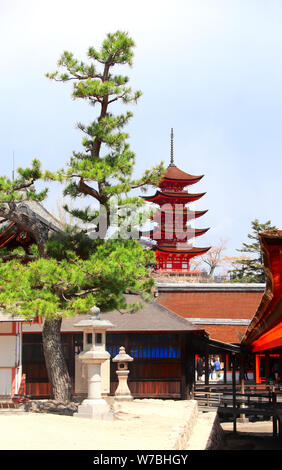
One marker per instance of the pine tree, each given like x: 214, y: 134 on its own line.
x: 104, y: 169
x: 63, y: 275
x: 70, y: 272
x: 12, y: 194
x: 251, y: 268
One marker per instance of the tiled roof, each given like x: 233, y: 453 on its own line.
x: 151, y: 317
x: 217, y: 305
x: 212, y: 304
x: 226, y: 333
x: 42, y: 213
x: 175, y: 173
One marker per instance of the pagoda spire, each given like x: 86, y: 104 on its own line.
x: 171, y: 148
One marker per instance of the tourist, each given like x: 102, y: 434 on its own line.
x: 211, y: 367
x: 217, y: 367
x: 276, y: 371
x: 199, y: 368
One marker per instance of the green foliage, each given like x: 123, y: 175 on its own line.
x: 71, y: 272
x: 251, y: 268
x: 107, y: 160
x: 72, y: 240
x: 22, y: 187
x: 72, y: 285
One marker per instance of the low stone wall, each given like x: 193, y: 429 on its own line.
x: 201, y: 431
x: 183, y: 414
x: 207, y: 433
x: 216, y: 435
x: 181, y: 434
x: 51, y: 406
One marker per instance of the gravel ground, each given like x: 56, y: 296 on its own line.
x: 144, y: 424
x: 141, y: 425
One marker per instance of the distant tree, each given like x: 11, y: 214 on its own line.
x: 214, y: 257
x: 232, y: 261
x: 251, y: 268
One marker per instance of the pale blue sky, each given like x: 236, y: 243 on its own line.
x: 212, y: 70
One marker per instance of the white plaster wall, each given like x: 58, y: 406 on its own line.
x: 5, y: 382
x: 7, y: 351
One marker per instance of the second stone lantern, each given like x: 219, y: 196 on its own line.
x: 122, y: 392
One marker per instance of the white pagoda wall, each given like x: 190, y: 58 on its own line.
x: 10, y: 357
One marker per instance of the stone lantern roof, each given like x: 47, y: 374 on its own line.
x: 94, y: 321
x: 122, y: 356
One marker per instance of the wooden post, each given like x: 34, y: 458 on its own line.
x: 257, y: 372
x: 206, y: 368
x: 242, y: 418
x: 189, y: 369
x: 225, y: 369
x: 183, y: 365
x: 234, y: 391
x: 274, y: 418
x: 279, y: 383
x: 267, y: 367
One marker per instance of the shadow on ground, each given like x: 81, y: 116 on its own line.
x: 247, y: 441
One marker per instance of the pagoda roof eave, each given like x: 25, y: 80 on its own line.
x: 174, y: 249
x: 192, y: 179
x: 197, y: 232
x: 173, y: 173
x: 183, y: 210
x: 175, y: 195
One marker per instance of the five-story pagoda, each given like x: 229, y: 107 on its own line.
x: 172, y: 234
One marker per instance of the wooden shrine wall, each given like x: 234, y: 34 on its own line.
x: 157, y: 370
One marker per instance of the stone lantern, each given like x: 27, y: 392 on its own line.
x: 122, y: 392
x: 93, y: 355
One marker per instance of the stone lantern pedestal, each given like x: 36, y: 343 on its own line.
x: 93, y: 355
x: 122, y: 392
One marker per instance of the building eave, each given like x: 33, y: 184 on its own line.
x: 269, y: 310
x: 209, y: 287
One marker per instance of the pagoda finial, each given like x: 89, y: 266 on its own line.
x: 171, y: 148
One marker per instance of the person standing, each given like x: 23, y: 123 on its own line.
x: 199, y: 368
x: 276, y: 371
x: 217, y: 367
x: 211, y: 367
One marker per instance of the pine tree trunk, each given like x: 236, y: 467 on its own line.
x: 61, y: 388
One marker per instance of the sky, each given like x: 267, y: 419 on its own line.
x: 209, y: 69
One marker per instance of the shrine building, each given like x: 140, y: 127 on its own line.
x: 264, y: 333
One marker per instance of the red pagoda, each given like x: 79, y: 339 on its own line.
x: 172, y: 235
